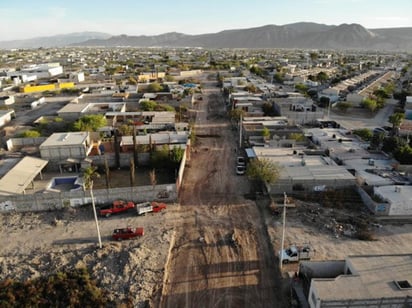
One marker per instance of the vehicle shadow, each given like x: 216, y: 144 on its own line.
x: 80, y: 240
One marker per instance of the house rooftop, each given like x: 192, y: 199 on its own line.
x: 400, y: 195
x: 21, y: 175
x: 303, y: 167
x: 65, y: 139
x: 73, y: 107
x: 373, y: 277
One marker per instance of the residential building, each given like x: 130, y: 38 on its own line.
x: 66, y: 149
x: 302, y: 169
x: 6, y: 116
x: 383, y: 281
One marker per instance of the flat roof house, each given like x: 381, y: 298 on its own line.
x: 66, y: 148
x: 360, y: 281
x: 299, y: 171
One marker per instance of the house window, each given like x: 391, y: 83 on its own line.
x: 403, y: 284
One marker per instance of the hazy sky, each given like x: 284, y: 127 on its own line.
x: 26, y: 19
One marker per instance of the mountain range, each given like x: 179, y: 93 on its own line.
x: 304, y: 35
x: 60, y: 40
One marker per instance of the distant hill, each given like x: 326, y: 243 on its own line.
x: 296, y: 35
x: 54, y: 41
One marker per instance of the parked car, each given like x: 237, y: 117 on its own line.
x: 296, y: 253
x: 380, y: 130
x: 118, y: 206
x: 241, y: 161
x: 240, y: 169
x: 127, y: 233
x: 147, y: 207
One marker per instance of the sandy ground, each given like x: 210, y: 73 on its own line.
x: 42, y: 243
x: 213, y: 249
x: 389, y: 238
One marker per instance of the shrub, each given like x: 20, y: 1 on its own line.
x: 30, y: 134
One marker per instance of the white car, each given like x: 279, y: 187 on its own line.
x: 241, y: 161
x: 240, y: 169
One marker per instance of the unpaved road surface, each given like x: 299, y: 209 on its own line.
x: 221, y: 255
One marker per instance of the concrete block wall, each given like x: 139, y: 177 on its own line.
x: 57, y: 201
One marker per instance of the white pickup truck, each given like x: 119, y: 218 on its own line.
x: 147, y: 207
x: 296, y: 253
x: 143, y: 208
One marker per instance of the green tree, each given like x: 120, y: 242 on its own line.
x: 148, y: 105
x: 297, y: 136
x: 257, y: 71
x: 377, y: 141
x: 164, y: 107
x: 132, y: 80
x: 404, y: 154
x: 126, y: 130
x: 301, y: 88
x: 169, y: 78
x: 401, y: 96
x: 160, y: 157
x: 370, y: 104
x: 382, y: 93
x: 396, y: 119
x: 263, y: 170
x: 268, y: 109
x: 392, y: 144
x: 176, y: 155
x: 324, y: 101
x: 250, y: 87
x: 364, y: 133
x: 322, y: 76
x: 344, y: 106
x: 155, y: 87
x: 90, y: 123
x: 192, y: 135
x: 278, y: 77
x: 236, y: 114
x: 265, y: 133
x: 313, y: 56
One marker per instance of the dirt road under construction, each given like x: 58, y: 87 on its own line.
x: 221, y: 254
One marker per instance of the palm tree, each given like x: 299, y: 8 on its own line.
x: 89, y: 174
x: 396, y: 120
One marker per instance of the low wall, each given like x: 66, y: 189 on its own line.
x: 381, y: 209
x: 291, y: 185
x: 14, y: 143
x: 55, y: 201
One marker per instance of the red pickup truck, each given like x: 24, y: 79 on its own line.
x: 127, y: 233
x: 117, y: 206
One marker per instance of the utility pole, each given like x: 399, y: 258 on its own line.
x: 240, y: 132
x: 329, y: 110
x: 95, y: 214
x: 285, y: 198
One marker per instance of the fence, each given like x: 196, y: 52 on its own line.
x: 55, y: 201
x: 14, y: 143
x: 381, y: 209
